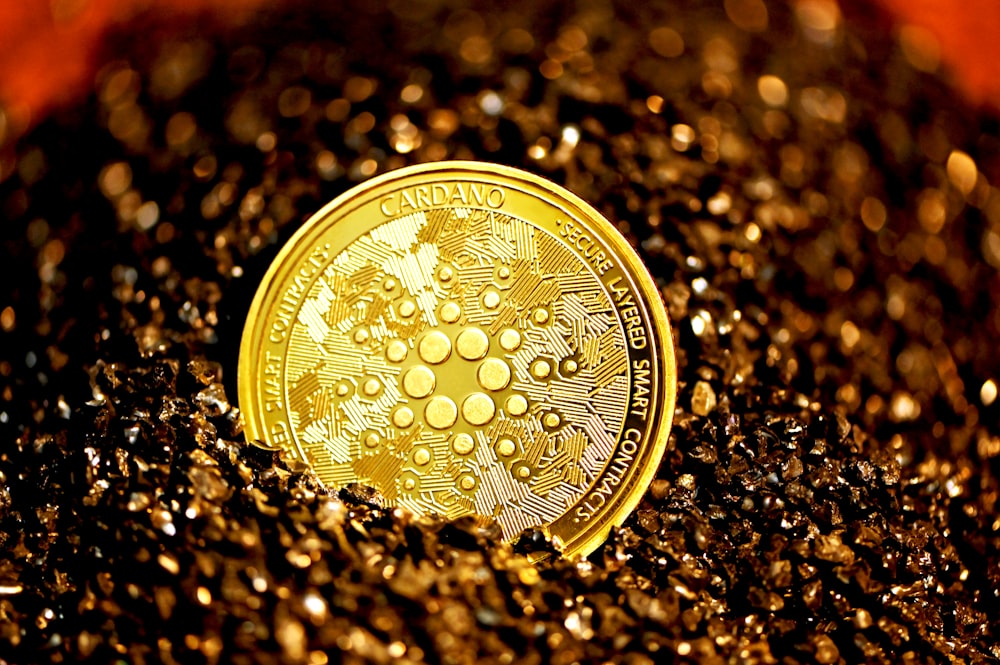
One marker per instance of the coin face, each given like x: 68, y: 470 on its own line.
x: 468, y: 339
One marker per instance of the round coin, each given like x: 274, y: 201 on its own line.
x: 468, y: 339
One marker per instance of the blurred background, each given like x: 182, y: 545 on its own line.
x: 52, y: 48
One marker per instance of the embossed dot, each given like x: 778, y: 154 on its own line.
x: 472, y: 344
x: 407, y: 309
x: 421, y: 456
x: 516, y: 405
x: 371, y: 387
x: 494, y: 374
x: 467, y: 483
x: 551, y: 419
x: 371, y: 439
x: 491, y: 300
x: 540, y: 316
x: 445, y: 274
x: 523, y: 472
x: 396, y: 351
x: 510, y: 339
x: 342, y: 389
x: 571, y: 366
x: 504, y: 272
x: 409, y: 484
x: 434, y: 347
x: 506, y: 447
x: 419, y: 382
x: 402, y: 417
x: 463, y: 444
x: 478, y: 409
x: 450, y: 311
x: 360, y: 335
x: 540, y: 369
x: 389, y: 284
x: 440, y: 412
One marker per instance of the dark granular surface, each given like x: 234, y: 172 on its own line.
x: 816, y: 208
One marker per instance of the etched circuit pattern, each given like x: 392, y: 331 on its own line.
x: 462, y: 362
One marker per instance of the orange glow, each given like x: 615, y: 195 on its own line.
x: 969, y: 35
x: 51, y: 49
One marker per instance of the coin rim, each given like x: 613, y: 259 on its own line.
x: 628, y: 495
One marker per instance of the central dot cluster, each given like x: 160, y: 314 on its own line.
x: 493, y: 374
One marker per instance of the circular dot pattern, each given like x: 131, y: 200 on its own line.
x: 472, y: 344
x: 450, y: 312
x: 402, y: 417
x: 396, y: 351
x: 493, y: 374
x: 463, y: 444
x: 434, y: 347
x: 510, y: 339
x: 478, y: 409
x: 440, y: 412
x: 418, y: 382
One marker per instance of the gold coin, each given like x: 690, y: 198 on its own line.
x: 468, y: 339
